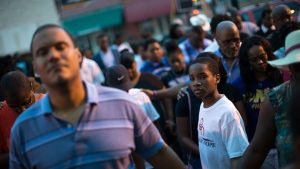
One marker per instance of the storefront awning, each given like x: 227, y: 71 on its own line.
x: 94, y: 21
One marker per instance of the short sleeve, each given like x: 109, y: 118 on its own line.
x: 235, y: 138
x: 147, y: 138
x: 16, y: 160
x: 98, y: 76
x: 149, y: 108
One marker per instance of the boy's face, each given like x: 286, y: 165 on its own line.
x: 155, y: 52
x: 176, y: 60
x: 203, y: 81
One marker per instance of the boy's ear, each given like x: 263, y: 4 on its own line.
x: 218, y: 78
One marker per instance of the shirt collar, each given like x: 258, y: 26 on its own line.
x: 92, y: 93
x: 220, y: 54
x: 265, y: 29
x: 105, y: 53
x: 92, y: 97
x: 45, y: 105
x: 191, y: 47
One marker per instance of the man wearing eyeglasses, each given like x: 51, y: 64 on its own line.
x: 228, y: 38
x: 18, y: 95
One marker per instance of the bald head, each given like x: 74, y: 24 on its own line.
x: 228, y: 38
x: 281, y: 14
x: 225, y: 26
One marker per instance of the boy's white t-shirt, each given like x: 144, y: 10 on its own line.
x: 144, y: 101
x: 91, y: 72
x: 221, y: 134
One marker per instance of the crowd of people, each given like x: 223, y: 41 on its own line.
x: 223, y: 99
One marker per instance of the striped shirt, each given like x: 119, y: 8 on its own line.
x: 111, y: 127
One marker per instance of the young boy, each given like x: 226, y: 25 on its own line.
x: 221, y: 133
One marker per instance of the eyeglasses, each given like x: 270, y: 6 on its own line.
x: 262, y: 57
x: 229, y: 41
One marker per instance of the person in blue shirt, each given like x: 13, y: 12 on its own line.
x: 194, y: 44
x: 157, y: 63
x: 228, y: 38
x: 107, y: 55
x: 77, y: 124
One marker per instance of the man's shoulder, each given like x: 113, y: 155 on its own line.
x: 118, y: 101
x: 113, y: 94
x: 89, y: 61
x: 31, y: 113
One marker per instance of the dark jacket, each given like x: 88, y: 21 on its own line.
x: 98, y: 58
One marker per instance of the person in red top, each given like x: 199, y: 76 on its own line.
x: 19, y: 95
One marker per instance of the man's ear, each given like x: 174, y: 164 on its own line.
x: 34, y: 67
x: 217, y: 36
x: 79, y: 55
